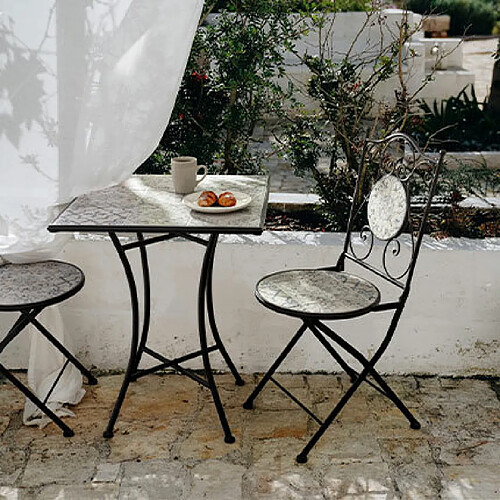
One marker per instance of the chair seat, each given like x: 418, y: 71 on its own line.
x: 317, y: 293
x: 37, y: 284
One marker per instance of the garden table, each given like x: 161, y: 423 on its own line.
x: 148, y: 207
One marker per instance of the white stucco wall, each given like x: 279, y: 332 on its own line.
x: 451, y: 324
x: 349, y: 32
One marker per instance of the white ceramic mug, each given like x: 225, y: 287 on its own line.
x: 184, y: 170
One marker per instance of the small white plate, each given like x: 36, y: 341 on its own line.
x: 242, y: 201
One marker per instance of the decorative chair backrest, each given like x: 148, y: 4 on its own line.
x: 394, y: 190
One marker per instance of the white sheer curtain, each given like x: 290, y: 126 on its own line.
x: 86, y: 90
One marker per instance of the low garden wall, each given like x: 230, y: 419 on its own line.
x: 349, y: 32
x: 489, y: 159
x: 450, y: 325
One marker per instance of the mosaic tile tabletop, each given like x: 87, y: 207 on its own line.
x: 148, y: 203
x: 35, y: 283
x: 317, y: 292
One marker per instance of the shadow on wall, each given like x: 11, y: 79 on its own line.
x: 86, y: 90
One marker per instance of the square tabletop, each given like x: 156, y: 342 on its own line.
x: 148, y: 203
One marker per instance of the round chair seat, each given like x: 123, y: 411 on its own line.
x: 38, y: 284
x: 317, y: 293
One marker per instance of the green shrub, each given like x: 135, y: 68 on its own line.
x: 459, y: 123
x: 302, y: 5
x: 472, y: 17
x: 331, y: 5
x: 420, y: 6
x: 344, y: 93
x: 229, y: 86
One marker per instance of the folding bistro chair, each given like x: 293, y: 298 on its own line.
x: 392, y: 168
x: 29, y: 289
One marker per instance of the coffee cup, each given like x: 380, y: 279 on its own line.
x: 184, y: 173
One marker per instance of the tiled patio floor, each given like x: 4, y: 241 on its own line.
x: 168, y: 443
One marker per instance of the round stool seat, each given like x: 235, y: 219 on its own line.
x: 38, y: 284
x: 317, y: 293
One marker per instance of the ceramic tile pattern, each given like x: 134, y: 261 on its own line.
x: 35, y: 283
x: 387, y: 207
x: 318, y: 292
x: 148, y: 203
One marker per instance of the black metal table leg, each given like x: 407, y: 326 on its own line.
x: 139, y: 339
x: 202, y: 298
x: 146, y: 320
x: 213, y: 325
x: 132, y: 362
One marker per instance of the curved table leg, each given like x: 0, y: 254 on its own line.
x: 146, y: 304
x: 134, y: 354
x: 213, y: 324
x: 205, y: 279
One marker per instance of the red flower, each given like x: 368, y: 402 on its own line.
x: 199, y: 76
x: 181, y: 116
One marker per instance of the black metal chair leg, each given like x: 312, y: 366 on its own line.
x: 390, y: 394
x: 26, y: 317
x: 213, y: 325
x: 209, y: 255
x: 302, y: 456
x: 90, y: 378
x: 132, y: 363
x: 353, y: 374
x: 248, y: 404
x: 67, y: 431
x: 385, y: 388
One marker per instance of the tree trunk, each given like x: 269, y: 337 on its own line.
x: 494, y: 100
x: 229, y: 165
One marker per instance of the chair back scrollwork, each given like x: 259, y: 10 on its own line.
x: 395, y: 185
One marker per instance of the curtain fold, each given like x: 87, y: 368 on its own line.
x: 86, y: 91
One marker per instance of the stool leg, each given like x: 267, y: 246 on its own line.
x: 91, y: 379
x: 67, y: 431
x: 18, y: 327
x: 26, y: 317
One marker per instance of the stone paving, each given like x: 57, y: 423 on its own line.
x: 478, y: 58
x: 168, y: 443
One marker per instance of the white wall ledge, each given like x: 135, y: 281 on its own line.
x: 322, y: 238
x: 450, y: 325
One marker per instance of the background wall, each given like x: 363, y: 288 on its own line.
x: 451, y: 324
